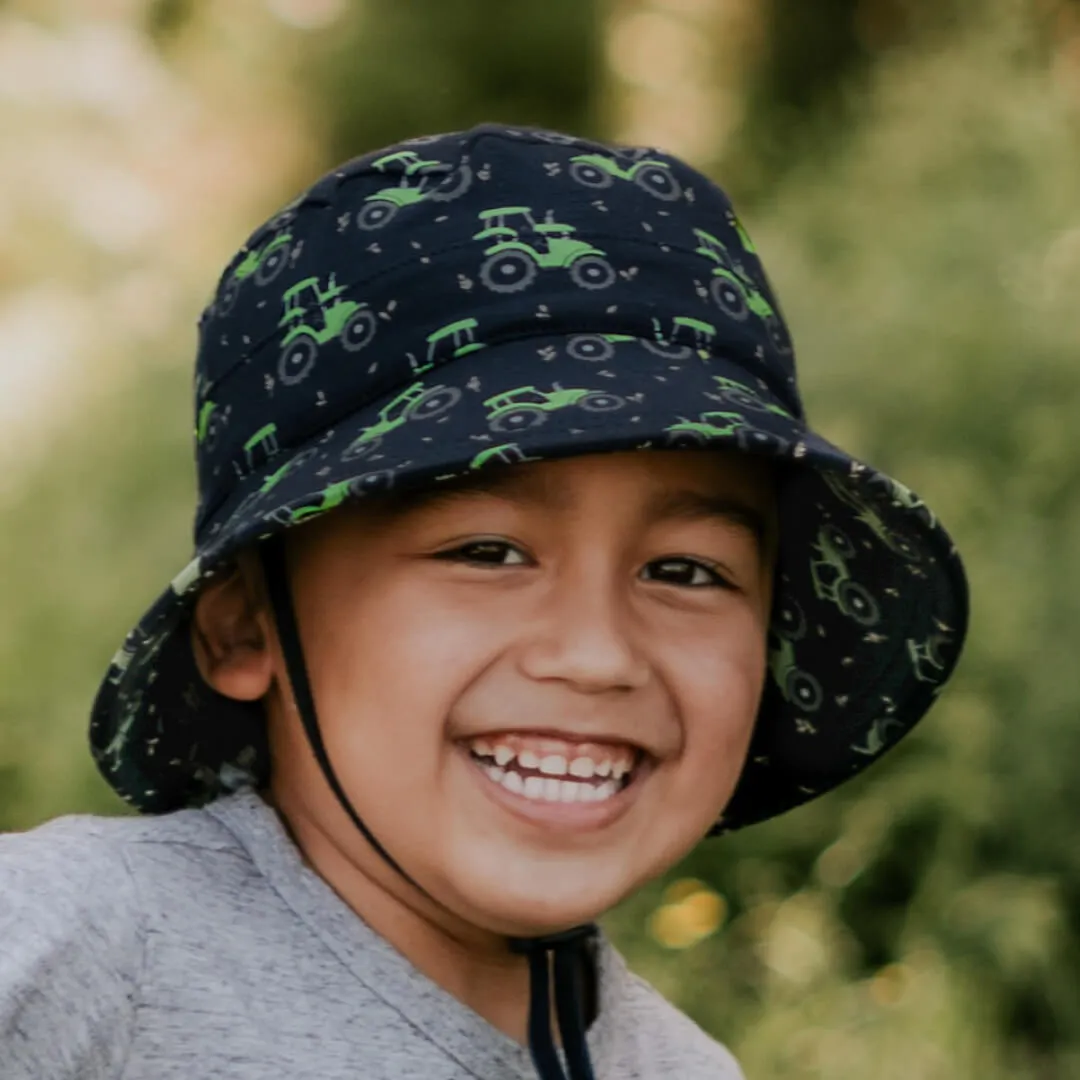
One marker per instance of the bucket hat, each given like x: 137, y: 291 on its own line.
x: 471, y: 300
x: 500, y: 295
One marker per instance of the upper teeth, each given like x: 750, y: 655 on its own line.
x: 581, y: 766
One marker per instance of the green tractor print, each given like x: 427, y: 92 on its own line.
x: 262, y: 446
x: 527, y: 407
x: 689, y: 434
x: 796, y: 686
x: 504, y: 454
x: 420, y: 180
x: 832, y: 578
x: 448, y: 343
x: 734, y: 292
x: 263, y: 266
x: 517, y: 252
x: 926, y: 659
x: 333, y: 495
x: 877, y: 738
x: 416, y: 402
x: 599, y: 348
x: 212, y: 422
x: 744, y: 236
x: 291, y: 465
x: 733, y: 392
x: 651, y: 175
x: 314, y: 316
x: 869, y: 517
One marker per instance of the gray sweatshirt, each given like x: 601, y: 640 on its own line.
x: 198, y: 944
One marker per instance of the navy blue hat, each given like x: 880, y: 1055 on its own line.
x: 472, y: 300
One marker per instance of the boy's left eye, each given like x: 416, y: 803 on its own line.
x: 687, y: 572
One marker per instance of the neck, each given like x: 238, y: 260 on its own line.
x: 474, y: 965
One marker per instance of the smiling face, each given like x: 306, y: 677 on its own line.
x: 536, y: 690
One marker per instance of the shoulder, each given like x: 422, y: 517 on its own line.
x: 79, y: 855
x: 87, y: 870
x: 666, y: 1041
x: 75, y: 898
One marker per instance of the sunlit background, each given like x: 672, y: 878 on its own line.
x: 911, y: 174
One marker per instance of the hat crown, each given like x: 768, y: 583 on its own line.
x: 409, y: 257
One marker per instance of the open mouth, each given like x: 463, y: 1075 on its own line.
x: 555, y: 771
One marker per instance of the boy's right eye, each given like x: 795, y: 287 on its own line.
x: 486, y: 553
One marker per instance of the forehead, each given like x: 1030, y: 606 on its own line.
x: 649, y: 484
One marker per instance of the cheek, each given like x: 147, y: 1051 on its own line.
x: 387, y: 677
x: 717, y: 682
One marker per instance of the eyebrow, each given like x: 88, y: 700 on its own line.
x: 690, y: 505
x: 684, y: 504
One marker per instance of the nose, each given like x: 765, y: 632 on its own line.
x: 584, y: 636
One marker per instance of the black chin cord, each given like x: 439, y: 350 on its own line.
x: 564, y: 951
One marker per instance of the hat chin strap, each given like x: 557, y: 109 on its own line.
x: 564, y: 952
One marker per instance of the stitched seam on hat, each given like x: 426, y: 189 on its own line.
x: 575, y: 429
x: 525, y: 334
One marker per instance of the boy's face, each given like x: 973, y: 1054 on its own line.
x: 537, y: 693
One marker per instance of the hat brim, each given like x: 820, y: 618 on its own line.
x: 870, y: 603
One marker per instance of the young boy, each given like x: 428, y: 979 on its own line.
x: 457, y: 665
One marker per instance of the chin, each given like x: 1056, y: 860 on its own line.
x: 545, y: 900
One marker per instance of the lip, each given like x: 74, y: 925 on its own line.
x: 575, y: 737
x: 558, y: 816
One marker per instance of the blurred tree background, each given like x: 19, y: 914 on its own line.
x: 909, y: 173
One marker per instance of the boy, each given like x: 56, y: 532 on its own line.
x: 457, y: 666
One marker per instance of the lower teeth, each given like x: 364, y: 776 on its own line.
x: 551, y: 788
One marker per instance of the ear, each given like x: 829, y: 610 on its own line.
x: 229, y: 634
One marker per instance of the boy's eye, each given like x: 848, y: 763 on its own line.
x: 685, y: 571
x: 487, y: 552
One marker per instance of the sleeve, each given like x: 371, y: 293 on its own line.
x: 70, y: 954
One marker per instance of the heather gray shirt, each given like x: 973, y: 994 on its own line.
x: 198, y: 945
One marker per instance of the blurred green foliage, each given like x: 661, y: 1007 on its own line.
x: 925, y: 920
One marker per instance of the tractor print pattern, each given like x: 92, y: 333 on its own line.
x: 499, y: 296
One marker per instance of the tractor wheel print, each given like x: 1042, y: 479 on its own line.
x: 741, y: 399
x: 454, y: 184
x: 590, y: 175
x: 789, y: 622
x: 777, y: 336
x: 903, y: 547
x: 590, y: 347
x: 592, y: 272
x: 840, y: 541
x: 518, y: 419
x: 271, y: 264
x: 359, y: 329
x: 754, y: 441
x: 684, y: 440
x: 668, y: 350
x: 508, y: 271
x: 802, y: 689
x: 598, y: 401
x: 297, y: 360
x: 855, y: 602
x: 357, y: 450
x: 227, y: 298
x: 371, y: 482
x: 729, y: 298
x: 375, y: 214
x: 434, y: 403
x: 658, y: 182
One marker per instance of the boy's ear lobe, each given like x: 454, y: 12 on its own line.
x: 229, y: 635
